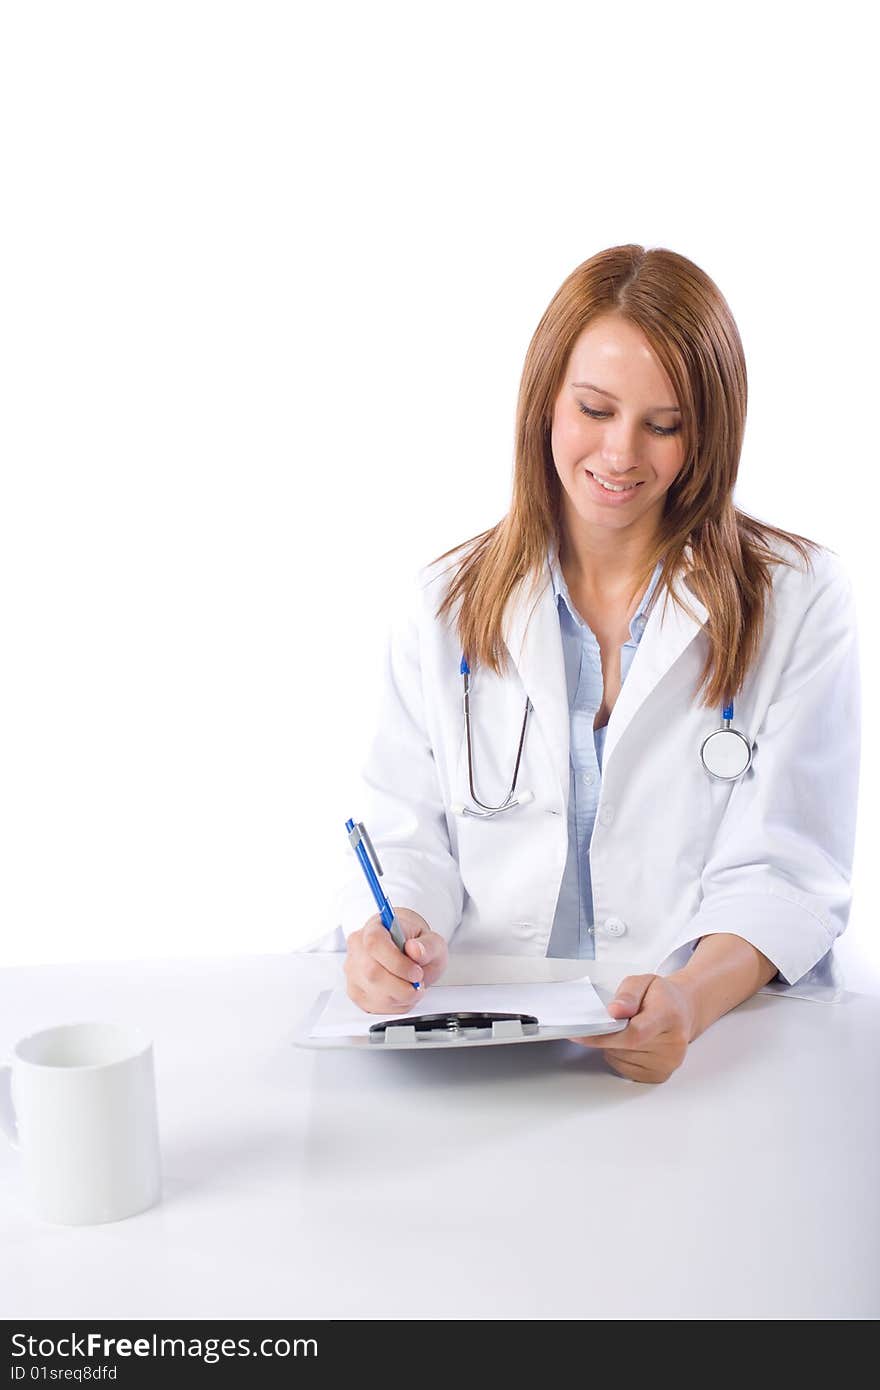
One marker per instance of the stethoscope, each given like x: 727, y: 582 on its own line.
x: 726, y: 755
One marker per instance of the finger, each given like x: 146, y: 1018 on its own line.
x: 627, y: 1064
x: 634, y: 1071
x: 427, y: 948
x: 380, y: 948
x: 622, y: 1066
x: 377, y: 991
x: 398, y: 998
x: 384, y: 1004
x: 629, y: 995
x: 600, y: 1040
x: 640, y: 1039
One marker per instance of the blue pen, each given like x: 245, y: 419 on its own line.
x: 369, y: 862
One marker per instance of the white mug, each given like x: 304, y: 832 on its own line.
x: 79, y: 1101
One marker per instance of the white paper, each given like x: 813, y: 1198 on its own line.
x: 560, y: 1004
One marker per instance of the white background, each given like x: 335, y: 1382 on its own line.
x: 269, y: 273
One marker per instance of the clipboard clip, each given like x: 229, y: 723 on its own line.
x: 453, y: 1027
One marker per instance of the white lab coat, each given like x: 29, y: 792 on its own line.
x: 674, y: 855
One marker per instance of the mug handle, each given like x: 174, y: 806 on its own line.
x: 7, y: 1110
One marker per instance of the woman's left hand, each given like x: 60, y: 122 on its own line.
x: 656, y: 1041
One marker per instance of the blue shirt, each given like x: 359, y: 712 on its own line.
x: 573, y: 925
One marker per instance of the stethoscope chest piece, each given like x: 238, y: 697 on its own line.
x: 726, y: 753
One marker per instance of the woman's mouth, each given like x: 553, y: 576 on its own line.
x: 611, y: 492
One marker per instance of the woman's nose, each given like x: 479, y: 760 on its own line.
x: 619, y: 446
x: 619, y: 458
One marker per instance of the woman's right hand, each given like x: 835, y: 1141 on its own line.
x: 380, y: 977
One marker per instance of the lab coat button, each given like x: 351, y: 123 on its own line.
x: 606, y: 815
x: 614, y: 926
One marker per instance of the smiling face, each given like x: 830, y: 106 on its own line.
x: 615, y: 419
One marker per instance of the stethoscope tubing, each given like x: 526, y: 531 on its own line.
x: 485, y: 811
x: 505, y: 804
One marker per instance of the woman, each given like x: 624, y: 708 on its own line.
x: 627, y: 600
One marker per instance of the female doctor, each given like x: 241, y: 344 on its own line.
x: 659, y: 757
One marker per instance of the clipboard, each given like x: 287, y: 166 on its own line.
x: 454, y: 1030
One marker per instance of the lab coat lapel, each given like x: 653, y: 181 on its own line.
x: 667, y: 634
x: 532, y: 636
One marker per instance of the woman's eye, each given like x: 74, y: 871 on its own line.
x: 603, y: 414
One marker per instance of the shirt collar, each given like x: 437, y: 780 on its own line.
x: 560, y: 591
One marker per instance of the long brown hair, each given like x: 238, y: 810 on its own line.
x: 726, y: 554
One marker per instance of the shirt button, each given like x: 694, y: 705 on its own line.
x: 587, y: 778
x: 606, y: 815
x: 614, y: 926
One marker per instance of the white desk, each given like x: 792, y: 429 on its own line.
x: 513, y: 1182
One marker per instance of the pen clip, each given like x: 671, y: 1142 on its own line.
x: 358, y: 834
